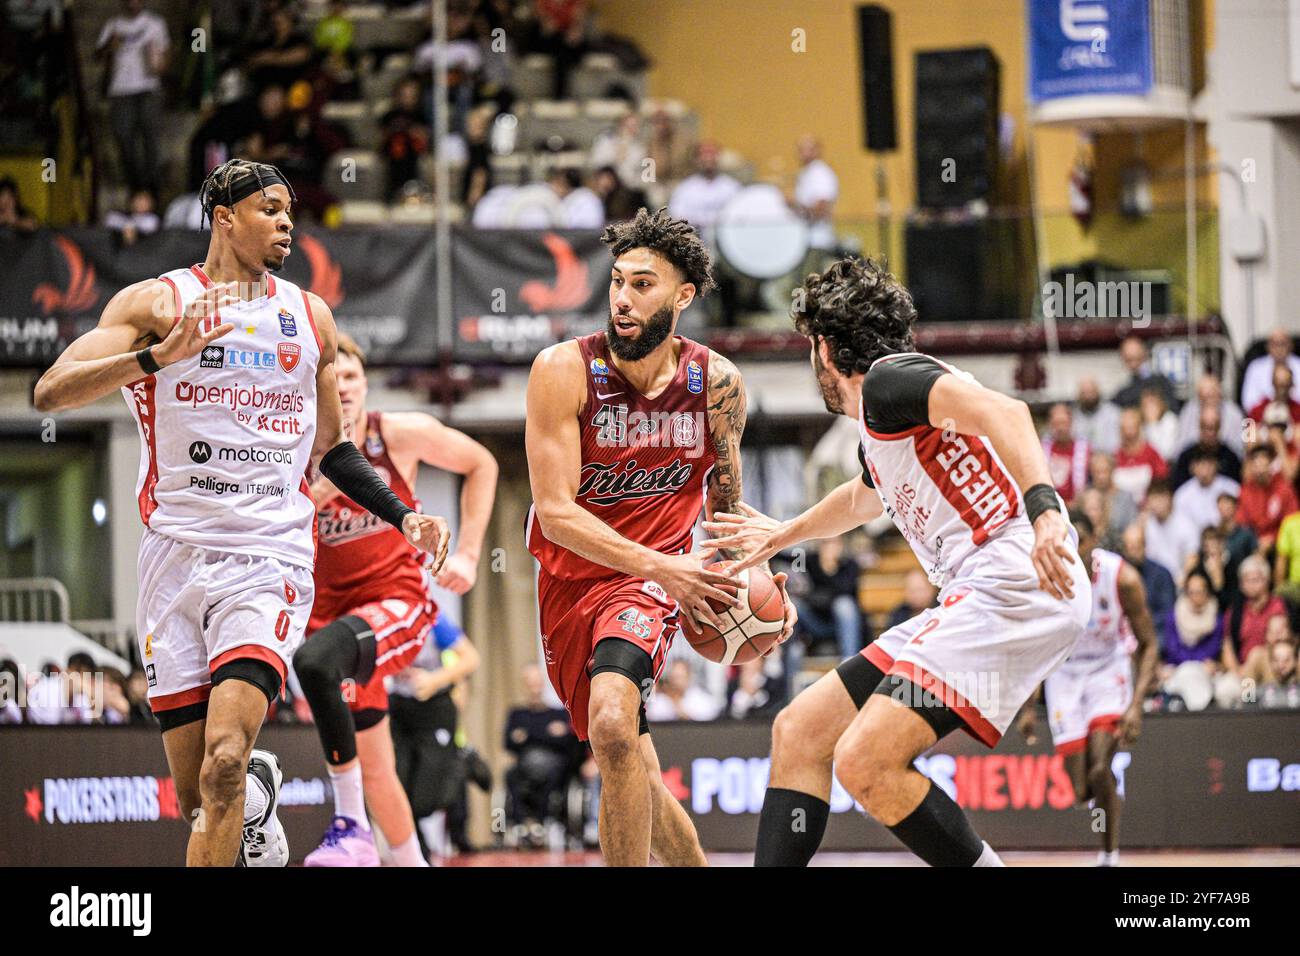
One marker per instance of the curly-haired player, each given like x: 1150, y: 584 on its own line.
x: 628, y: 430
x: 960, y: 470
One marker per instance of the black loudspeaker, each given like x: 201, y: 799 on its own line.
x: 876, y: 59
x: 958, y: 271
x: 956, y: 126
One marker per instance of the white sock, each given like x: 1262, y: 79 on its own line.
x: 1108, y: 858
x: 255, y: 798
x: 989, y: 858
x: 349, y: 797
x: 407, y: 853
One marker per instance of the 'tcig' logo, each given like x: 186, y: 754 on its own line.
x: 134, y: 910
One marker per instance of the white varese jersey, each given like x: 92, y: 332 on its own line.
x: 226, y: 436
x: 1108, y: 634
x: 947, y: 493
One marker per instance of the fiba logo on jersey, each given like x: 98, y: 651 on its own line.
x: 200, y: 452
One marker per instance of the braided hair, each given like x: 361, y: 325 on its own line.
x: 860, y: 308
x: 236, y: 178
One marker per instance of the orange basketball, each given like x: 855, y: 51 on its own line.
x: 751, y: 628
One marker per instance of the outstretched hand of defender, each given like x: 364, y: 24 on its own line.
x: 428, y: 533
x: 755, y: 535
x: 1051, y: 554
x: 187, y: 338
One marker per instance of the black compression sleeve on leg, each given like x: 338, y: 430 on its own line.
x: 356, y: 478
x: 790, y: 828
x: 324, y: 660
x: 938, y: 832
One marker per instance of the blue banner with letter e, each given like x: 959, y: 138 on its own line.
x: 1088, y: 47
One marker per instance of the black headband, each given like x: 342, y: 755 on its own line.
x: 254, y: 177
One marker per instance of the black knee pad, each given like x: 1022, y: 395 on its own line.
x: 341, y: 649
x: 942, y: 719
x: 617, y: 656
x: 251, y: 671
x: 860, y: 677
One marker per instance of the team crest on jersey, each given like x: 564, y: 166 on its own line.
x: 289, y: 353
x: 287, y: 324
x: 599, y: 371
x: 694, y: 378
x: 290, y: 592
x: 685, y: 431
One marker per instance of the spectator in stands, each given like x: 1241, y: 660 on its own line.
x: 1198, y: 500
x: 1284, y: 438
x: 1282, y: 666
x: 1209, y: 438
x: 1246, y: 622
x: 623, y: 148
x: 1280, y: 398
x: 1256, y: 383
x: 1158, y: 581
x: 13, y: 691
x: 287, y: 135
x: 829, y: 608
x: 478, y: 155
x: 1194, y: 629
x: 1093, y: 504
x: 1211, y: 561
x: 1133, y: 353
x: 620, y: 201
x: 699, y: 198
x: 136, y: 45
x: 111, y: 706
x: 1259, y: 668
x: 560, y: 30
x: 13, y: 215
x: 1209, y: 394
x: 334, y: 33
x: 1159, y: 424
x: 1067, y: 456
x: 755, y: 691
x: 81, y: 697
x: 1136, y: 462
x: 1096, y: 421
x: 679, y: 698
x: 137, y: 695
x: 1266, y: 496
x: 545, y: 748
x: 671, y: 153
x: 1286, y: 565
x: 1170, y: 536
x: 405, y: 135
x: 918, y: 594
x: 1119, y: 509
x: 47, y: 696
x: 282, y: 55
x: 581, y: 208
x: 815, y: 190
x: 139, y: 219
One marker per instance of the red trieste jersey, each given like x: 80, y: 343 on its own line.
x: 645, y: 462
x: 361, y: 558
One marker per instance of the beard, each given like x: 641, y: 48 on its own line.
x: 653, y: 334
x: 826, y: 382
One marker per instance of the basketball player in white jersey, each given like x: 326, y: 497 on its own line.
x: 961, y: 472
x: 229, y: 374
x: 1094, y: 702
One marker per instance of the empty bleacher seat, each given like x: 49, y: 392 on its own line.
x: 533, y: 77
x: 355, y: 174
x: 362, y: 212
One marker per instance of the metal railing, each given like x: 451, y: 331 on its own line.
x: 33, y: 600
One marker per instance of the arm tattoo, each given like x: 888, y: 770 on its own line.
x: 726, y: 404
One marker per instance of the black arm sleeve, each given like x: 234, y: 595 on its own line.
x: 353, y: 475
x: 896, y: 393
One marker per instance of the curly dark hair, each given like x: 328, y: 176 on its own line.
x: 674, y: 239
x: 860, y: 308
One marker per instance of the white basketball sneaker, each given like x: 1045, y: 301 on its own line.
x: 264, y: 842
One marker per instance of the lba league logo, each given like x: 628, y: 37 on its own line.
x: 289, y: 354
x: 288, y: 326
x: 694, y: 378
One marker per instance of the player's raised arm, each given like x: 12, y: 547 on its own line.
x: 967, y: 408
x: 439, y: 446
x: 137, y: 335
x: 553, y: 442
x: 1133, y: 601
x: 341, y: 462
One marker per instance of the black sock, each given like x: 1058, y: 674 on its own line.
x: 790, y: 828
x: 322, y: 663
x: 938, y: 832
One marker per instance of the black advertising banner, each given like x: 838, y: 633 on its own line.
x: 1191, y: 780
x: 102, y: 796
x: 379, y: 284
x: 514, y: 292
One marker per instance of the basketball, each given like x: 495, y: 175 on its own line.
x: 752, y: 628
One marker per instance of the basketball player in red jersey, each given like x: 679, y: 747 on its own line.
x: 229, y: 373
x: 628, y: 431
x: 373, y: 612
